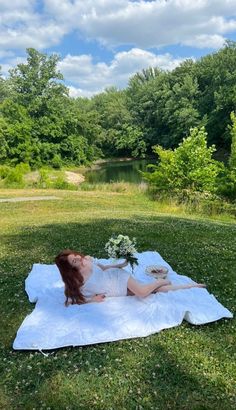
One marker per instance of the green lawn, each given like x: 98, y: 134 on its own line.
x: 187, y: 367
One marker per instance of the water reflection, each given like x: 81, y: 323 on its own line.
x: 117, y: 171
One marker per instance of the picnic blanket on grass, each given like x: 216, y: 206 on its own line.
x: 52, y: 325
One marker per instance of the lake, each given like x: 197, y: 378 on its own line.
x: 117, y: 171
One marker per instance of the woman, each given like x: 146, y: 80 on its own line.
x: 89, y: 281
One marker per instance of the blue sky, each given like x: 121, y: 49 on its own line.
x: 104, y: 42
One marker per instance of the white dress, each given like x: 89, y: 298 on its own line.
x: 111, y: 282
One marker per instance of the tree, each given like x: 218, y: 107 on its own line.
x: 145, y: 75
x: 58, y: 126
x: 36, y: 83
x: 227, y: 178
x: 216, y: 76
x: 120, y: 135
x: 15, y: 133
x: 4, y: 91
x: 232, y: 128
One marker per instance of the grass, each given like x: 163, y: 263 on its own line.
x: 187, y: 367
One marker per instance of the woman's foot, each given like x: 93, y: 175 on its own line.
x: 166, y: 288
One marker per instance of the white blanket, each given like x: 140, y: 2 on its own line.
x: 52, y: 325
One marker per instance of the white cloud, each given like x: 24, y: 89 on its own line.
x: 17, y: 4
x: 77, y: 92
x: 11, y: 63
x: 148, y: 23
x: 36, y: 35
x: 89, y: 78
x: 22, y: 26
x: 141, y: 24
x: 158, y: 23
x: 213, y: 41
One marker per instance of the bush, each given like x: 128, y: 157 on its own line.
x: 232, y: 158
x: 44, y: 181
x: 60, y: 183
x: 14, y: 176
x: 14, y: 179
x: 56, y: 162
x: 190, y: 166
x: 227, y: 184
x: 4, y: 171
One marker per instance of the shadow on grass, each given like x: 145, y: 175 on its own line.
x: 147, y: 366
x: 132, y: 374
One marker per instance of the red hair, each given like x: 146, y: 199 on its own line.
x: 71, y: 277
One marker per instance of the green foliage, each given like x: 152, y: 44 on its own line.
x: 3, y: 139
x: 35, y: 83
x: 15, y: 131
x: 129, y: 140
x: 216, y: 75
x: 120, y: 136
x: 61, y: 183
x: 165, y: 106
x: 226, y: 184
x: 44, y: 180
x: 190, y: 166
x: 56, y: 161
x: 14, y: 176
x: 4, y: 171
x: 41, y: 125
x: 202, y: 93
x: 232, y: 158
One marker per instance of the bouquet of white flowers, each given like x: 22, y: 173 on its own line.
x: 122, y: 247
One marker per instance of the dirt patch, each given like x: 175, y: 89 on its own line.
x: 74, y: 178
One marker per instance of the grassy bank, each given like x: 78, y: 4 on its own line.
x: 184, y: 367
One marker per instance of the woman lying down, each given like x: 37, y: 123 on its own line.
x: 88, y: 281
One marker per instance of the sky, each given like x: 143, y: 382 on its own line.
x: 102, y: 43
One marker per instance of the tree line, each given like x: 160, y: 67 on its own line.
x: 40, y: 124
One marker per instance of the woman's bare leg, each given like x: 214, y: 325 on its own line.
x: 176, y: 287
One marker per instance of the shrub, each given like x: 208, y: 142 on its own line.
x: 14, y: 176
x: 232, y: 158
x: 14, y: 179
x: 60, y: 183
x: 44, y: 181
x: 56, y: 162
x: 190, y: 166
x: 227, y: 184
x: 4, y: 171
x: 227, y: 178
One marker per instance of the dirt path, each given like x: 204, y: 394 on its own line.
x: 29, y: 198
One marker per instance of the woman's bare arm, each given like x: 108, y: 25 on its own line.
x: 117, y: 265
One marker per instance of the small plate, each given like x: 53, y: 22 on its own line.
x: 158, y: 271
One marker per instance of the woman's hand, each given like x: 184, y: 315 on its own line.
x: 98, y: 298
x: 163, y: 282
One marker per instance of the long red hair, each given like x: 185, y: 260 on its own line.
x: 71, y: 277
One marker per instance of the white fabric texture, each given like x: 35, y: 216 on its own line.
x: 52, y: 325
x: 111, y: 282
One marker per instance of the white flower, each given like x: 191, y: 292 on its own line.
x: 121, y: 246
